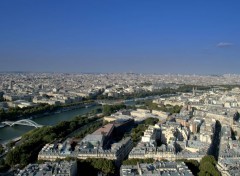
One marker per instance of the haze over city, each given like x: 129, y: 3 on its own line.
x: 186, y: 37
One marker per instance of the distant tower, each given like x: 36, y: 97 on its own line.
x: 11, y: 85
x: 193, y: 92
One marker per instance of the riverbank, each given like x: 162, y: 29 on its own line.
x: 57, y: 111
x: 64, y: 109
x: 14, y: 140
x: 66, y: 113
x: 8, y: 133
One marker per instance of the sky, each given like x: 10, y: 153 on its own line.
x: 141, y: 36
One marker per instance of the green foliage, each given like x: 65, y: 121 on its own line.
x: 92, y: 166
x: 75, y: 104
x: 109, y: 109
x: 137, y: 132
x: 209, y: 159
x: 3, y: 166
x: 90, y: 129
x: 68, y: 158
x: 151, y: 121
x: 208, y: 166
x: 1, y: 149
x: 33, y: 141
x: 10, y: 144
x: 135, y: 161
x: 189, y: 88
x: 96, y: 111
x: 146, y: 84
x: 167, y: 90
x: 139, y: 94
x: 2, y: 114
x: 166, y: 108
x: 16, y: 113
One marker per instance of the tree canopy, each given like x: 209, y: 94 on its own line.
x: 208, y: 166
x: 109, y: 109
x: 92, y: 166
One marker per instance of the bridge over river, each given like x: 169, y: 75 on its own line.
x: 25, y: 122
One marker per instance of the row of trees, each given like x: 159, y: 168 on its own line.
x: 166, y: 108
x: 182, y: 88
x: 189, y: 88
x: 207, y: 166
x: 138, y: 131
x: 91, y: 166
x: 1, y: 149
x: 135, y: 161
x: 3, y: 166
x: 90, y: 129
x: 109, y: 109
x: 139, y: 94
x: 16, y: 113
x: 76, y: 104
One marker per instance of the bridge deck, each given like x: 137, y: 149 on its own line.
x: 26, y: 122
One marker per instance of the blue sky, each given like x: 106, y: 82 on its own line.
x: 156, y: 36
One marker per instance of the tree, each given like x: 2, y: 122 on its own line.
x: 109, y: 109
x: 10, y: 144
x: 13, y: 157
x: 2, y: 114
x: 208, y: 166
x: 135, y: 161
x: 1, y: 149
x: 3, y: 166
x: 93, y: 166
x: 151, y: 121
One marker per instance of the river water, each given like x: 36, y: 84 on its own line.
x: 8, y: 133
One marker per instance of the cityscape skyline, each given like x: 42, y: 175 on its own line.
x: 119, y: 88
x: 114, y: 37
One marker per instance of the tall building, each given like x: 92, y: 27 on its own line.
x: 11, y: 85
x: 194, y: 92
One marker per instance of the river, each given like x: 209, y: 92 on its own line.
x: 8, y: 133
